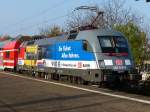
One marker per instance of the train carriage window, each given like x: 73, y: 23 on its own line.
x: 19, y: 50
x: 7, y: 54
x: 48, y: 52
x: 86, y: 46
x: 30, y: 43
x: 30, y: 56
x: 41, y: 52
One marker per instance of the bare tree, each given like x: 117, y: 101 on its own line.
x: 50, y: 31
x: 86, y: 17
x: 115, y: 12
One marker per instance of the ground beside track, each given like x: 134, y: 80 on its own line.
x: 25, y: 95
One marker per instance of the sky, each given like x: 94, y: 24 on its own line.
x: 26, y: 17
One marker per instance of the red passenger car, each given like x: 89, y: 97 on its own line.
x: 10, y: 54
x: 21, y: 55
x: 11, y: 51
x: 1, y: 53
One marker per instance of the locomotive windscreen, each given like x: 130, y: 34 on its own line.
x: 113, y: 45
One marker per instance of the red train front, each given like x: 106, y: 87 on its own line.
x: 10, y: 54
x: 11, y: 51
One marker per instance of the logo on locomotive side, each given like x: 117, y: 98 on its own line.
x: 79, y: 64
x: 119, y: 62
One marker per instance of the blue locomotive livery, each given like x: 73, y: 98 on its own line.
x: 70, y: 54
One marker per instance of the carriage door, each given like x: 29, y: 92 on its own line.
x: 1, y: 60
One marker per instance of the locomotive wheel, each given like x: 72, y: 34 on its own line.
x: 77, y: 80
x: 102, y: 84
x: 80, y: 80
x: 55, y: 76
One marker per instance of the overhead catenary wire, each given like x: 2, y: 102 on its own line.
x: 41, y: 23
x: 46, y: 21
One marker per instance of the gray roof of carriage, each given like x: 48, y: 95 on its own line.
x: 100, y: 32
x: 48, y: 41
x: 4, y: 42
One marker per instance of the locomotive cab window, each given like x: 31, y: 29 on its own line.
x: 31, y: 56
x: 113, y: 44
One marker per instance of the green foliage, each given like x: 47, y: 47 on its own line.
x: 136, y: 38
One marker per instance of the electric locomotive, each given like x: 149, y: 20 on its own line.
x: 92, y: 55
